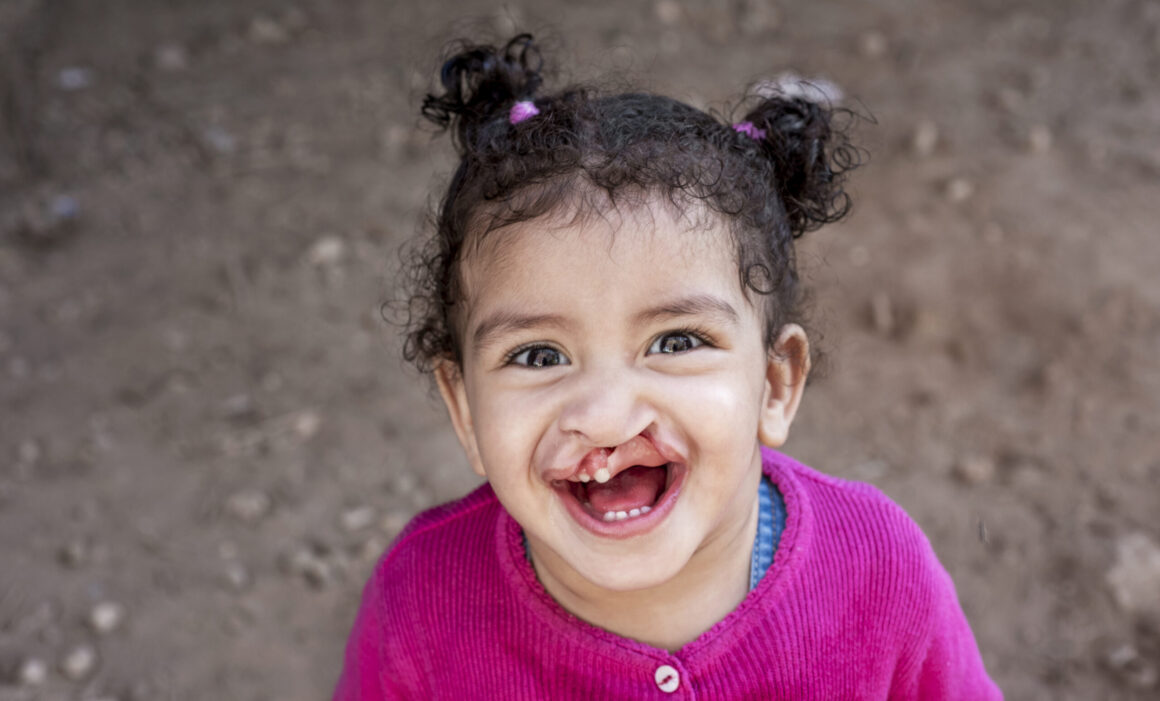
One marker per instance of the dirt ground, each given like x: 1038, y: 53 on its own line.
x: 207, y: 435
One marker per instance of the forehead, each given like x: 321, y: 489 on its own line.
x: 600, y: 243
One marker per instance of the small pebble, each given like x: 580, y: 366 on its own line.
x: 1136, y: 670
x: 307, y: 423
x: 106, y: 617
x: 79, y: 663
x: 311, y: 567
x: 74, y: 78
x: 64, y: 207
x: 668, y: 12
x: 1039, y: 139
x: 237, y: 576
x: 248, y: 505
x: 219, y: 140
x: 30, y: 451
x: 405, y: 484
x: 33, y: 672
x: 75, y: 553
x: 974, y: 469
x: 240, y: 407
x: 959, y: 190
x: 176, y: 340
x: 357, y: 518
x: 1135, y: 577
x: 872, y: 44
x: 265, y: 30
x: 925, y: 138
x: 171, y: 57
x: 327, y: 251
x: 1122, y: 656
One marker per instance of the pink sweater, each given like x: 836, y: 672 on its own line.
x: 855, y: 606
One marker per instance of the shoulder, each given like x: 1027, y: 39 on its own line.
x: 413, y: 577
x: 859, y: 539
x: 846, y: 505
x: 405, y: 603
x: 457, y: 531
x: 866, y: 558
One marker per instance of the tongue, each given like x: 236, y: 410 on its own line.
x: 631, y: 489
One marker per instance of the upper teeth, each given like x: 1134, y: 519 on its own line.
x: 603, y: 475
x: 584, y: 477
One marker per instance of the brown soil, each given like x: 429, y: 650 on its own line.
x: 205, y: 421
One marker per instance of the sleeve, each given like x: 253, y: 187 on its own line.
x: 944, y: 661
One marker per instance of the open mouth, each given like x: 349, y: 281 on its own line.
x: 626, y: 503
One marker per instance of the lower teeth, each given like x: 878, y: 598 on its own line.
x: 622, y: 515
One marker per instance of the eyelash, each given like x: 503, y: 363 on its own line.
x: 510, y: 358
x: 700, y: 335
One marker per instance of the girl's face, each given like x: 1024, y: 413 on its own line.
x: 614, y: 391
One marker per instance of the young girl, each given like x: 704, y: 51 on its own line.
x: 609, y: 305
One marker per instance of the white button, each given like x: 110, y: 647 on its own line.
x: 667, y: 679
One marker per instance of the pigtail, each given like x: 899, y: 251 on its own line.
x: 481, y: 82
x: 810, y: 155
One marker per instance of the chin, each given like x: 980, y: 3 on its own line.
x: 630, y: 572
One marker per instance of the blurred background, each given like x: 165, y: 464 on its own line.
x: 207, y: 435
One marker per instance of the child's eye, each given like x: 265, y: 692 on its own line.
x: 538, y: 357
x: 676, y: 342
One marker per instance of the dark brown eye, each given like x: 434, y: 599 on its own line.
x: 539, y: 357
x: 676, y: 342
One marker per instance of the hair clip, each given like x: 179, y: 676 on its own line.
x: 522, y: 110
x: 749, y: 130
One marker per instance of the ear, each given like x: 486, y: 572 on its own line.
x: 787, y: 366
x: 449, y: 378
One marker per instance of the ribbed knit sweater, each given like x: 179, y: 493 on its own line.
x: 855, y: 606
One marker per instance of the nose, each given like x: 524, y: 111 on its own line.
x: 606, y: 407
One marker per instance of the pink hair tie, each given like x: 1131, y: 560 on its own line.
x: 749, y: 130
x: 522, y: 110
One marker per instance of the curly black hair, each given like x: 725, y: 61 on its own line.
x: 770, y: 180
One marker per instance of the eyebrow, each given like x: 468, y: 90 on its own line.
x: 506, y: 321
x: 694, y: 305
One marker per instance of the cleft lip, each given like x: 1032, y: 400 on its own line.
x: 640, y: 450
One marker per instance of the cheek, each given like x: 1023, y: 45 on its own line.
x: 508, y: 425
x: 720, y: 410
